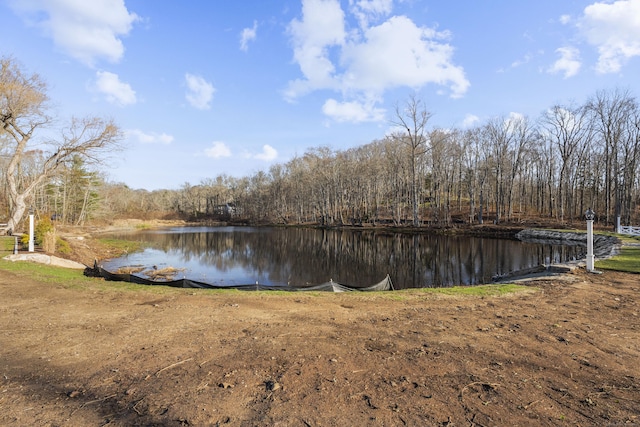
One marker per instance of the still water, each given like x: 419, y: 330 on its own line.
x: 299, y: 256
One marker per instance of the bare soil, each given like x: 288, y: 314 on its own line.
x: 567, y: 352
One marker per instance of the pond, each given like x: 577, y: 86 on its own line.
x: 233, y: 256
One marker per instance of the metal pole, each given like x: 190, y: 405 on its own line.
x: 31, y: 249
x: 15, y: 247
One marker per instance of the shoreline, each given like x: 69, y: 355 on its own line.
x: 87, y: 248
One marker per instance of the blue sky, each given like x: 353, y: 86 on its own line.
x: 203, y: 88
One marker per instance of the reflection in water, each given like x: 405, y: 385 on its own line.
x: 300, y: 256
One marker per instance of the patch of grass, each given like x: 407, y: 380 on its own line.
x: 104, y: 285
x: 46, y: 273
x: 75, y: 279
x: 122, y: 246
x: 624, y: 238
x: 397, y: 295
x: 478, y: 291
x: 6, y: 245
x: 628, y: 261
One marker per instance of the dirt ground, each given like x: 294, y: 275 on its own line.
x: 565, y: 353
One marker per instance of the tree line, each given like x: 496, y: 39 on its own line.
x: 509, y: 168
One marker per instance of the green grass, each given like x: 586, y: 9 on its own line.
x: 624, y: 238
x: 45, y: 273
x: 6, y: 245
x: 479, y: 290
x: 123, y: 246
x: 628, y: 239
x: 75, y: 279
x: 628, y: 261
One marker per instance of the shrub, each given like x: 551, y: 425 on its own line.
x: 63, y: 246
x: 42, y: 227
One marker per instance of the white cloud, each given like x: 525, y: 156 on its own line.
x: 399, y: 53
x: 150, y: 138
x: 470, y: 120
x: 268, y: 154
x: 569, y: 62
x: 363, y: 63
x: 565, y: 19
x: 117, y: 92
x: 524, y: 60
x: 354, y: 111
x: 370, y: 10
x: 247, y: 35
x: 217, y: 150
x: 322, y: 27
x: 614, y: 29
x: 85, y: 30
x: 199, y: 92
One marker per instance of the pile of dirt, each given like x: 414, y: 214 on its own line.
x: 564, y: 353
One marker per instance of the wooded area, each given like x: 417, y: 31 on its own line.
x: 507, y: 169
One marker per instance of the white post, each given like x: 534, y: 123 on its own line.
x: 590, y: 256
x: 618, y: 228
x: 590, y: 215
x: 31, y: 249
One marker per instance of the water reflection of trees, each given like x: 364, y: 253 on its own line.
x: 309, y: 256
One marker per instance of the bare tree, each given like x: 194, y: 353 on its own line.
x: 472, y: 173
x: 612, y: 116
x: 508, y: 138
x: 23, y: 116
x: 442, y: 173
x: 413, y: 118
x: 568, y: 128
